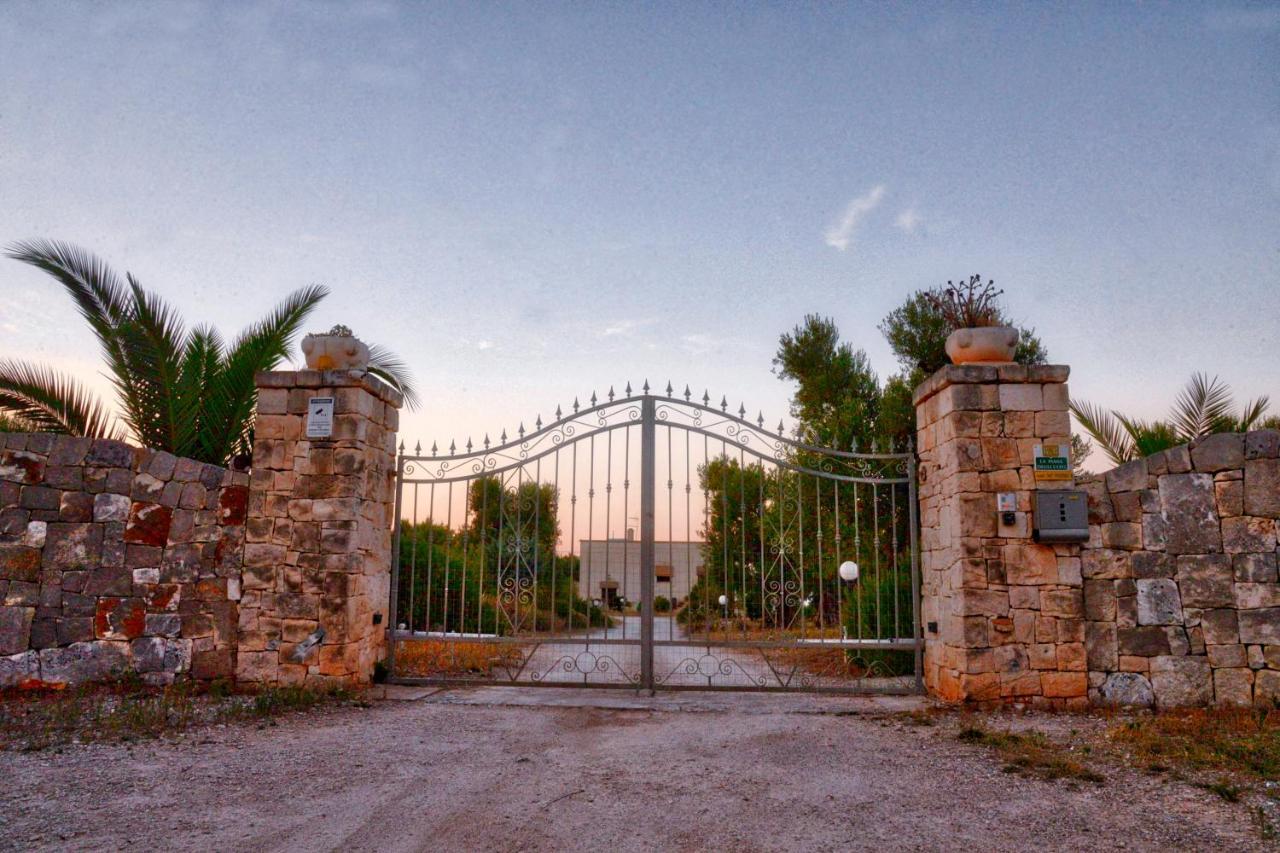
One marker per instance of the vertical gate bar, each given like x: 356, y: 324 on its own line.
x: 394, y: 603
x: 915, y: 565
x: 647, y: 472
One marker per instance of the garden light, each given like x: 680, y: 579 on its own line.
x: 848, y: 571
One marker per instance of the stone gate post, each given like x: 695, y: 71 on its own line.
x: 1002, y: 616
x: 317, y: 556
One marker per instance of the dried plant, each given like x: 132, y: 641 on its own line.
x: 968, y: 305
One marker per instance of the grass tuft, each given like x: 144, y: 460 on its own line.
x: 1231, y: 740
x: 1030, y: 754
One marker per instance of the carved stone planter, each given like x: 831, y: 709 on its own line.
x: 982, y: 345
x: 336, y: 349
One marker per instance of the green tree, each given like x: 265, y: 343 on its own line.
x: 917, y: 333
x: 837, y: 396
x: 183, y: 390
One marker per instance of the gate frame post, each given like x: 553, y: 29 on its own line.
x: 648, y: 433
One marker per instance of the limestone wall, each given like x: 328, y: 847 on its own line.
x: 1181, y: 595
x: 114, y: 557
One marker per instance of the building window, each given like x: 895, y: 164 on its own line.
x: 662, y: 573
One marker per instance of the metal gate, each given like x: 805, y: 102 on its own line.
x: 652, y: 541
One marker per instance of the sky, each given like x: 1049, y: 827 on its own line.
x: 531, y: 201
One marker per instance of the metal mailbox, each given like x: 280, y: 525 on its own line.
x: 1062, y: 515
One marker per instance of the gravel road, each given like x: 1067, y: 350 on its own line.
x: 565, y: 770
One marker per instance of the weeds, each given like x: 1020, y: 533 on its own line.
x: 127, y: 712
x: 1231, y: 740
x: 1030, y: 754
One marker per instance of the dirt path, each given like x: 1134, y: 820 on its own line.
x: 456, y: 771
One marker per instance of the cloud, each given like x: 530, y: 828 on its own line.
x: 840, y: 233
x: 623, y: 328
x: 908, y: 221
x: 484, y: 345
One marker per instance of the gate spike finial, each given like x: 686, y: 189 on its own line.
x: 538, y: 423
x: 558, y: 413
x: 686, y: 393
x: 646, y: 386
x: 417, y: 448
x: 402, y: 447
x: 628, y: 388
x: 742, y: 410
x: 486, y: 441
x: 724, y: 403
x: 779, y: 426
x: 520, y: 429
x: 593, y: 398
x: 575, y: 404
x: 468, y: 444
x: 760, y: 419
x: 611, y: 394
x: 668, y: 387
x: 453, y: 447
x: 706, y: 398
x: 503, y: 437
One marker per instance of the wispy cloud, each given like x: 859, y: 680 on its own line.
x: 484, y: 344
x: 840, y: 234
x: 908, y: 221
x: 622, y: 328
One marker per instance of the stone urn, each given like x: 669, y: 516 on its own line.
x: 982, y: 345
x: 336, y: 349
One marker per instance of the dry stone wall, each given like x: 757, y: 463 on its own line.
x: 113, y: 558
x: 1181, y: 594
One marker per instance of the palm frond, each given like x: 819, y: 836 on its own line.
x: 1254, y: 412
x: 153, y: 336
x: 388, y: 366
x: 1201, y: 403
x: 48, y: 401
x: 1149, y: 437
x: 233, y: 395
x: 1105, y: 428
x: 198, y: 369
x: 102, y: 299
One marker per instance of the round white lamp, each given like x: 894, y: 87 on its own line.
x: 848, y: 571
x: 724, y: 599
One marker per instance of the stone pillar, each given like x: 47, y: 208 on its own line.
x: 317, y: 555
x: 1002, y: 616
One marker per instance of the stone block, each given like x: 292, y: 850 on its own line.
x: 1205, y: 581
x: 1105, y: 563
x: 15, y: 629
x: 110, y: 507
x: 1218, y: 452
x: 1121, y: 535
x: 1158, y: 602
x: 75, y: 506
x: 1145, y: 641
x: 1262, y: 444
x: 83, y: 662
x: 148, y: 524
x: 1229, y: 495
x: 1248, y: 534
x: 1233, y: 686
x: 18, y: 562
x: 1189, y: 506
x: 1180, y: 682
x: 1266, y: 689
x: 1260, y: 626
x: 1127, y: 689
x: 106, y: 453
x: 71, y: 546
x: 1129, y: 477
x: 1021, y: 398
x: 1254, y: 568
x: 1220, y: 626
x: 1251, y: 596
x: 1101, y: 645
x: 1262, y: 487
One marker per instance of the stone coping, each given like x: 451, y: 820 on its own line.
x: 330, y: 379
x: 973, y: 374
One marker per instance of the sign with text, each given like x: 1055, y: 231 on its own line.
x: 320, y: 417
x: 1053, y: 461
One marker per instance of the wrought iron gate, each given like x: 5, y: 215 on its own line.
x: 652, y: 541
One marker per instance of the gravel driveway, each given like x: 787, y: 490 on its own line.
x: 502, y: 769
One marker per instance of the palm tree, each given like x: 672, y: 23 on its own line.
x: 1204, y: 406
x: 184, y: 391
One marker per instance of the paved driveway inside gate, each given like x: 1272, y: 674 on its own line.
x: 528, y: 769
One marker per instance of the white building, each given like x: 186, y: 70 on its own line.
x: 610, y: 569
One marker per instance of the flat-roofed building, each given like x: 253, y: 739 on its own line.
x: 610, y: 569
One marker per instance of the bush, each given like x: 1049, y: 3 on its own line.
x: 661, y: 604
x: 874, y: 619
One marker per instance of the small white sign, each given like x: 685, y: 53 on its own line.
x: 320, y: 417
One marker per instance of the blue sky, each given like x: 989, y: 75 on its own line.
x: 529, y: 202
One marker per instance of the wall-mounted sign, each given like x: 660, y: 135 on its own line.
x: 1053, y: 461
x: 320, y: 417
